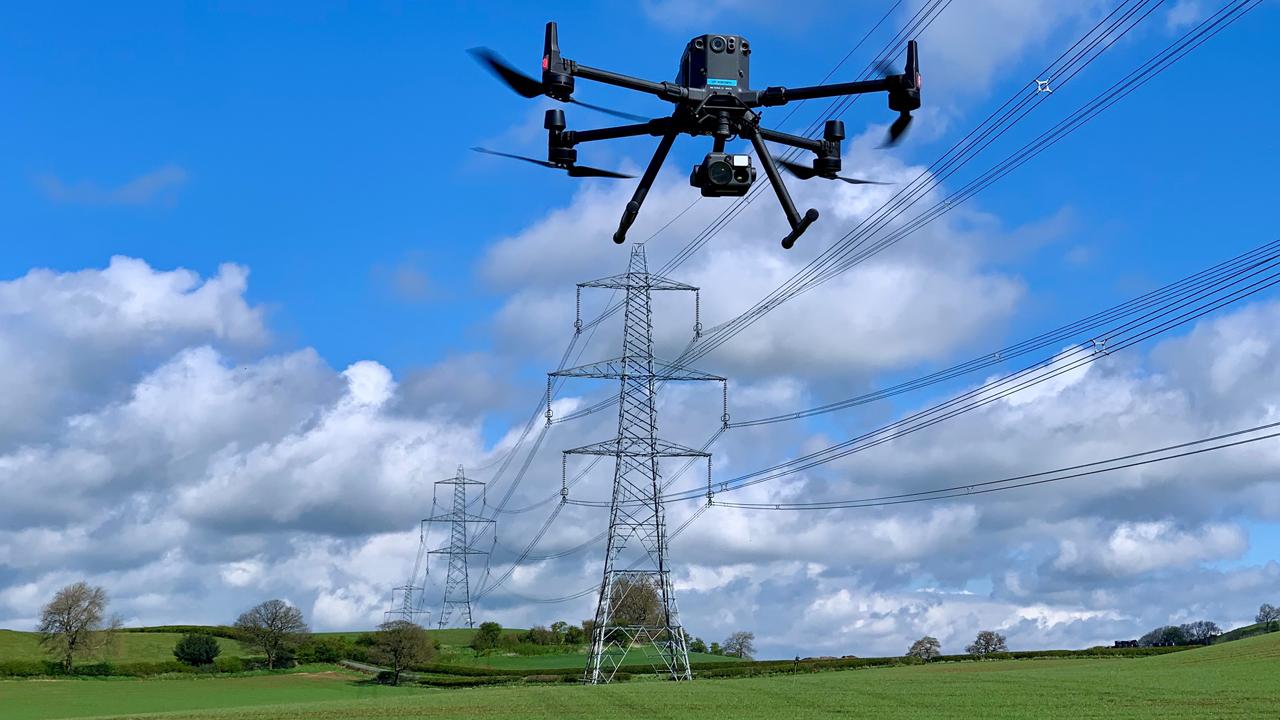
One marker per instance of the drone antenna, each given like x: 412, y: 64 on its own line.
x: 557, y: 81
x: 551, y: 42
x: 912, y: 70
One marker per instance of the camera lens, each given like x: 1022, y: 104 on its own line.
x: 717, y: 44
x: 720, y: 173
x: 699, y: 44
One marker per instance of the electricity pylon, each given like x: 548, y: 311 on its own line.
x: 407, y: 600
x: 457, y: 584
x: 637, y: 604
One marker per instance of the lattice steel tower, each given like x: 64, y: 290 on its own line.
x: 457, y: 584
x: 637, y: 611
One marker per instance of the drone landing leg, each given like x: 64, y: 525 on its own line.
x: 798, y: 224
x: 646, y: 181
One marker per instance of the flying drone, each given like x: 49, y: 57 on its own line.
x: 712, y: 96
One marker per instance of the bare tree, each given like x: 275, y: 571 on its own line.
x: 399, y: 644
x: 987, y: 642
x: 926, y: 648
x: 741, y: 644
x: 1200, y: 631
x: 73, y: 623
x: 275, y: 627
x: 1267, y: 614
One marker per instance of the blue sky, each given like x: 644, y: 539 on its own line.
x: 324, y: 147
x: 325, y: 144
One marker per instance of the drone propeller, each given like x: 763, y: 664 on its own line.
x: 910, y: 76
x: 573, y: 170
x: 897, y: 129
x: 804, y: 172
x: 528, y: 87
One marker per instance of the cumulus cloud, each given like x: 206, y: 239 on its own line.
x: 155, y: 441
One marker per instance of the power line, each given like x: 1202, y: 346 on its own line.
x: 1177, y: 312
x: 1027, y: 480
x: 1182, y: 288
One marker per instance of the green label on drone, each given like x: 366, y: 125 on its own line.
x: 721, y: 82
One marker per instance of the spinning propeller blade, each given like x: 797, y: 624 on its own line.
x: 524, y: 85
x: 528, y: 87
x: 885, y: 68
x: 535, y: 161
x: 897, y: 130
x: 805, y: 172
x: 573, y: 170
x: 607, y: 111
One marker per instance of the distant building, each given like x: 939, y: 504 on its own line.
x: 1126, y: 643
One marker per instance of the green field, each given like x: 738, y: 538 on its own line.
x: 550, y: 662
x: 130, y: 647
x: 1229, y: 680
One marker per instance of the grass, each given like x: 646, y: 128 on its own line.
x: 131, y: 647
x: 1247, y: 631
x: 552, y: 662
x: 1232, y: 680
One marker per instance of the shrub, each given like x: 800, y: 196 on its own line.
x: 222, y: 631
x: 229, y: 665
x: 327, y: 649
x: 197, y: 649
x: 551, y: 678
x: 465, y: 681
x: 29, y: 668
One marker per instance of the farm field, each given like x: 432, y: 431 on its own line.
x: 1231, y: 680
x: 132, y: 647
x: 552, y: 661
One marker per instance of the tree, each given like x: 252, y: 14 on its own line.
x: 698, y: 645
x: 926, y: 648
x: 715, y: 649
x: 1200, y: 631
x: 539, y: 635
x: 399, y: 644
x: 72, y: 625
x: 559, y: 629
x: 1268, y: 614
x: 197, y: 649
x: 741, y: 644
x: 635, y: 601
x: 275, y: 628
x: 487, y: 636
x: 573, y: 635
x: 1166, y: 634
x: 987, y: 642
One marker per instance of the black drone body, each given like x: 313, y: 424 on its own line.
x: 712, y: 96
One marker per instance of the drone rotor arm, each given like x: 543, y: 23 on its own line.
x: 655, y: 127
x: 803, y: 143
x: 665, y: 90
x: 777, y: 95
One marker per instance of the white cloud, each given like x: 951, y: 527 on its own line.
x: 157, y: 186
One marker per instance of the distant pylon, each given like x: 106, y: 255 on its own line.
x: 627, y: 619
x: 457, y: 584
x: 407, y: 600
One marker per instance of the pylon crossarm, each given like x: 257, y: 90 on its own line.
x: 625, y: 368
x: 638, y: 281
x: 637, y: 447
